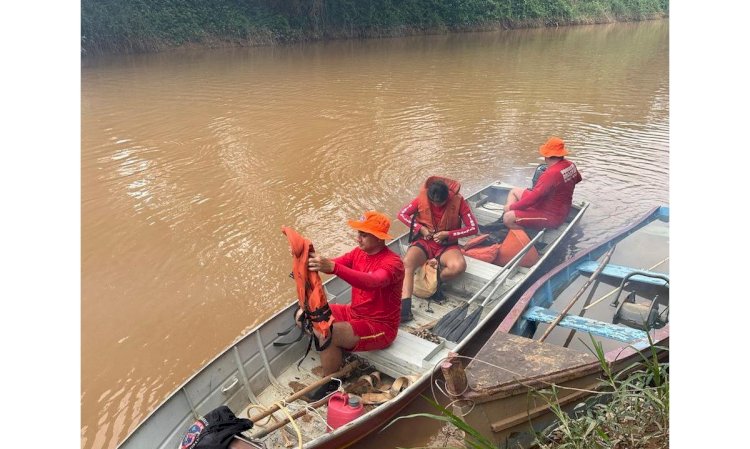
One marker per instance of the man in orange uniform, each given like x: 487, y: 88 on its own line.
x: 376, y: 275
x: 437, y: 213
x: 546, y: 204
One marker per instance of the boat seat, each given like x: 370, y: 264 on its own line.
x: 479, y: 270
x: 587, y: 325
x: 407, y: 355
x: 488, y: 212
x: 619, y: 271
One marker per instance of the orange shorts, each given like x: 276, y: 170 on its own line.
x: 532, y: 218
x: 537, y: 218
x: 372, y: 334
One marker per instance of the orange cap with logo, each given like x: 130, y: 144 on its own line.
x: 373, y: 222
x: 554, y: 147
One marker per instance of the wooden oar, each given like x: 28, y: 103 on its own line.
x: 614, y: 290
x: 591, y: 279
x: 340, y: 373
x: 286, y: 420
x: 583, y: 311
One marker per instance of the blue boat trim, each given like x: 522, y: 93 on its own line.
x: 619, y: 271
x: 582, y: 324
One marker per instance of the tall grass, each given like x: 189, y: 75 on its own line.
x: 472, y: 439
x: 632, y: 411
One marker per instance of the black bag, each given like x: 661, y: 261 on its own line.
x: 215, y: 430
x: 537, y: 174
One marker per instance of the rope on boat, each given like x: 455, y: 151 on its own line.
x: 456, y: 399
x: 292, y: 422
x: 312, y: 410
x: 268, y: 418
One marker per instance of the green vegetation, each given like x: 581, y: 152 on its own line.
x: 631, y: 411
x: 125, y: 26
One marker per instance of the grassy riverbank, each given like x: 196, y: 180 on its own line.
x: 117, y: 26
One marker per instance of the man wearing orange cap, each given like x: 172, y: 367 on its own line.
x: 376, y: 275
x: 546, y: 204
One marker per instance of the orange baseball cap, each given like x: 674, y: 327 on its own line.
x: 554, y: 147
x: 373, y: 222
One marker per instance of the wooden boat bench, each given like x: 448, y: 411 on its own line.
x: 406, y: 356
x: 620, y: 272
x: 587, y: 325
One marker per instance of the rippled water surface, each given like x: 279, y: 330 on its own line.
x: 191, y: 162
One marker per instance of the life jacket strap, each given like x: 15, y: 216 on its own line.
x: 412, y: 236
x: 307, y: 319
x: 318, y: 347
x: 301, y: 319
x: 320, y: 315
x: 280, y: 334
x: 326, y: 344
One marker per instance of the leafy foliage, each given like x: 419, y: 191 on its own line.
x: 150, y: 25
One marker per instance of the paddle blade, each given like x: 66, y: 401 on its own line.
x: 449, y: 320
x: 465, y: 326
x: 450, y: 327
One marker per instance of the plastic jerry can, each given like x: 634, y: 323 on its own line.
x: 343, y: 408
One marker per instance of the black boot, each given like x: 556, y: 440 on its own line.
x: 323, y: 391
x: 406, y: 314
x: 439, y: 296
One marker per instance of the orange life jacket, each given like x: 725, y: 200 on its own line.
x: 479, y: 240
x: 488, y: 253
x: 512, y: 245
x: 451, y: 217
x: 310, y: 292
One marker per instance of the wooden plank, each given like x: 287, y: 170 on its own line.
x: 522, y: 359
x: 619, y: 271
x: 582, y: 324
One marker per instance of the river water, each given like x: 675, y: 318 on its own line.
x: 192, y: 161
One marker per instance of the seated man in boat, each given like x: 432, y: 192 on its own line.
x: 546, y: 204
x: 372, y: 318
x: 436, y: 217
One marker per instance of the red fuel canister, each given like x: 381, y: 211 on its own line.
x: 343, y: 408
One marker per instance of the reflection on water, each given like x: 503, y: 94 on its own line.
x: 191, y: 162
